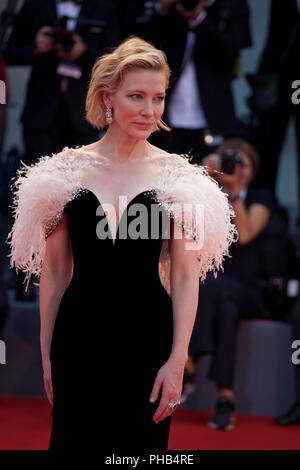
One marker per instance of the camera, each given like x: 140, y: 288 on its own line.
x: 229, y: 158
x: 189, y: 5
x: 63, y: 38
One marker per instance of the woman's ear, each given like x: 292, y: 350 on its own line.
x: 107, y: 99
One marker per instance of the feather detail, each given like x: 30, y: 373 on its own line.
x: 42, y: 190
x: 189, y: 185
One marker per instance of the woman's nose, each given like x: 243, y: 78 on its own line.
x: 148, y: 109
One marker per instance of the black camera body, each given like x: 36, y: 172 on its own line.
x: 189, y: 5
x: 63, y: 38
x: 229, y: 159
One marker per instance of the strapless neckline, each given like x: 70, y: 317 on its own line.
x: 137, y: 196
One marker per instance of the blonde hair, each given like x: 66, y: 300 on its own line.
x: 108, y: 72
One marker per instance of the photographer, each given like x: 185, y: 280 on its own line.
x: 272, y: 98
x: 202, y: 40
x: 236, y: 293
x: 61, y: 41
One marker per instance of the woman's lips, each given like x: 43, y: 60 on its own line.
x: 144, y: 124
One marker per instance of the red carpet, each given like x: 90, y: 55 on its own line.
x: 190, y: 431
x: 25, y: 425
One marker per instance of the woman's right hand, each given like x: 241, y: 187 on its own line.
x: 48, y: 379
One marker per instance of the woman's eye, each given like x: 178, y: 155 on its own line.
x: 158, y: 98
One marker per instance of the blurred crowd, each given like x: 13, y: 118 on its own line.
x: 203, y: 40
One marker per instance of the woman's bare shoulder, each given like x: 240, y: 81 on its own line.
x: 86, y: 149
x: 160, y: 153
x: 91, y: 151
x: 156, y: 154
x: 171, y: 159
x: 90, y: 148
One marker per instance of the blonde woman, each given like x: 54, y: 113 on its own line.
x: 119, y: 266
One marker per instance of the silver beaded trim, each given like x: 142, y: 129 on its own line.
x: 51, y: 226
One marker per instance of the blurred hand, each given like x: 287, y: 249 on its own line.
x: 234, y: 183
x: 77, y: 50
x: 47, y: 379
x: 43, y: 42
x: 213, y: 164
x: 191, y: 14
x: 166, y: 5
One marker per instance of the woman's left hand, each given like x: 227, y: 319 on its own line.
x: 170, y: 378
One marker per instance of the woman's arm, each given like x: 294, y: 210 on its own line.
x: 56, y: 275
x: 184, y: 281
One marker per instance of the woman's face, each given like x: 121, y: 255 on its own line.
x: 139, y: 102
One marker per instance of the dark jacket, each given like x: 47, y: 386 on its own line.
x: 219, y: 39
x: 43, y: 88
x: 281, y: 51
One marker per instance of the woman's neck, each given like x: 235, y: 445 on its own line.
x: 121, y: 148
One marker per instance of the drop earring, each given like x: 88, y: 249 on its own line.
x: 108, y: 114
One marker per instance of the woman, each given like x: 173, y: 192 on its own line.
x: 117, y: 304
x: 235, y: 293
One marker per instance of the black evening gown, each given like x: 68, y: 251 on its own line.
x: 113, y: 332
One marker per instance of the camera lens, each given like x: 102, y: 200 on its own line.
x: 229, y: 159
